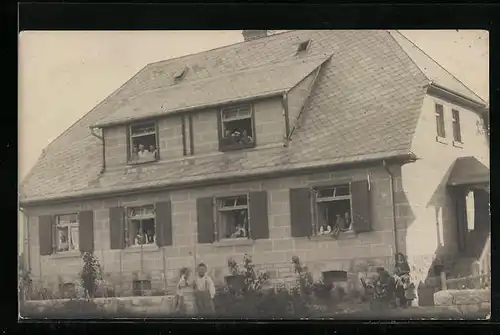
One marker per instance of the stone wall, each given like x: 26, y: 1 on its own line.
x: 351, y: 253
x: 465, y: 301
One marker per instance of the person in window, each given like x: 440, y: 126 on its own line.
x: 135, y: 153
x: 150, y: 236
x: 245, y: 138
x: 142, y: 152
x: 236, y: 136
x: 340, y: 222
x: 204, y: 292
x: 325, y: 229
x: 63, y: 241
x: 153, y: 151
x: 240, y: 231
x: 139, y: 238
x: 348, y: 222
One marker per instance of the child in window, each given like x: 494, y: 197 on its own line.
x: 204, y: 292
x: 150, y: 236
x: 142, y: 153
x: 245, y: 138
x: 325, y: 229
x: 152, y: 150
x: 63, y: 241
x: 348, y: 222
x: 139, y: 238
x: 240, y: 231
x: 135, y: 153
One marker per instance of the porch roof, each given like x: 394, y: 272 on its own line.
x: 468, y: 171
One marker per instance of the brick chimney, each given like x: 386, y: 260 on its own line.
x: 249, y: 35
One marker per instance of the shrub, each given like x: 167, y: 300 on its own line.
x: 90, y: 274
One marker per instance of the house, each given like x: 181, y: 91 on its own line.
x: 254, y: 148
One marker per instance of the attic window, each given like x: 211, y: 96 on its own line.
x: 180, y: 74
x: 303, y: 46
x: 236, y: 128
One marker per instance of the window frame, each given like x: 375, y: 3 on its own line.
x: 130, y: 139
x: 457, y: 128
x: 140, y: 218
x: 316, y: 201
x: 218, y: 210
x: 69, y: 226
x: 230, y: 147
x: 440, y: 121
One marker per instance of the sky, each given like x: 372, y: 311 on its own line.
x: 63, y: 75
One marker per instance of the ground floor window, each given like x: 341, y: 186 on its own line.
x: 232, y: 217
x: 333, y: 210
x: 66, y: 232
x: 140, y: 227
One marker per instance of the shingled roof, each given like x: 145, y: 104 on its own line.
x: 365, y: 105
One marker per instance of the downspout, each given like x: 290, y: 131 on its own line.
x: 103, y: 166
x: 393, y: 205
x: 284, y: 103
x: 27, y: 238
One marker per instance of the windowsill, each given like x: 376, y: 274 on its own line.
x: 145, y: 248
x: 67, y: 254
x: 234, y: 147
x: 458, y: 144
x: 441, y: 140
x: 140, y: 162
x: 232, y: 242
x: 345, y: 235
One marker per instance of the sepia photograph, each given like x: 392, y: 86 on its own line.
x: 261, y: 174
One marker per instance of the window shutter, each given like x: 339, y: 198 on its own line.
x: 220, y: 128
x: 117, y: 227
x: 360, y: 197
x: 300, y: 212
x: 164, y: 223
x: 45, y: 234
x: 259, y: 225
x: 86, y: 231
x: 206, y: 224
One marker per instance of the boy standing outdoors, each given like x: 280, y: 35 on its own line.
x: 204, y: 292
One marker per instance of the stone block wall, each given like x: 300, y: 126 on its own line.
x: 348, y: 253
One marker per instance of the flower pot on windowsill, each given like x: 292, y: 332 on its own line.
x: 235, y: 282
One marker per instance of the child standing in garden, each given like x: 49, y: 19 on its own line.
x: 204, y: 292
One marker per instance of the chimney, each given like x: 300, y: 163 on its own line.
x: 249, y: 35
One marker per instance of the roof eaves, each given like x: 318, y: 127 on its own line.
x: 480, y: 105
x: 190, y: 109
x: 305, y: 167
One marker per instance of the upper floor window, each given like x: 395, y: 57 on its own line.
x: 232, y: 217
x: 457, y: 133
x: 236, y: 128
x: 67, y: 232
x: 143, y: 143
x: 440, y: 128
x: 333, y: 208
x: 140, y: 228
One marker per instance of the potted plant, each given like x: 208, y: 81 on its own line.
x: 236, y: 280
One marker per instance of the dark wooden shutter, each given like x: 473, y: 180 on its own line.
x: 300, y: 212
x: 361, y: 214
x: 259, y: 225
x: 164, y: 223
x: 206, y: 224
x: 86, y: 231
x: 45, y: 234
x: 117, y: 227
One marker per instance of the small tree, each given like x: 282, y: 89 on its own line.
x: 91, y: 274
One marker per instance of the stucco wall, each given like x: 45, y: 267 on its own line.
x: 273, y: 254
x: 432, y: 229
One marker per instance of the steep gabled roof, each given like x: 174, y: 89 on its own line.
x: 365, y: 105
x: 434, y: 72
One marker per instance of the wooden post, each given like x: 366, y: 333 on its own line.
x: 443, y: 280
